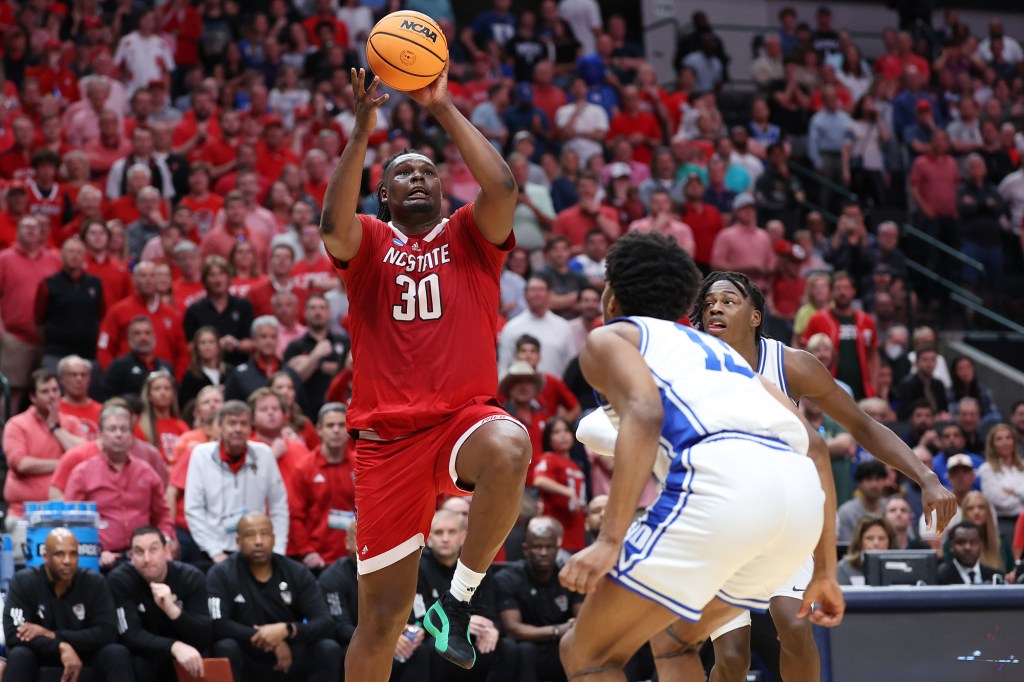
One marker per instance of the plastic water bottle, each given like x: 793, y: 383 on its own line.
x: 410, y: 632
x: 6, y: 564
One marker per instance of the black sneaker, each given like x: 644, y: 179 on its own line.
x: 448, y: 621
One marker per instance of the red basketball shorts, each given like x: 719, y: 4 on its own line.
x: 397, y: 484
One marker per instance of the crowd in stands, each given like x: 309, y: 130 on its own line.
x: 174, y: 334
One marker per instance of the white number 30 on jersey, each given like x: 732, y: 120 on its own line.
x: 422, y: 300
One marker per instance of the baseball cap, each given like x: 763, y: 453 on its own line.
x: 742, y: 201
x: 786, y: 248
x: 621, y: 170
x: 523, y: 135
x: 960, y: 460
x: 923, y: 105
x: 273, y: 120
x: 693, y: 175
x: 92, y: 22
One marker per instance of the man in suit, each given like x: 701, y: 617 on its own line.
x: 964, y: 567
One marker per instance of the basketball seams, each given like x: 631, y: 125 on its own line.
x: 419, y: 45
x: 386, y: 53
x: 399, y: 68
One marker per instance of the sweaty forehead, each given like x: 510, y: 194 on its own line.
x: 724, y: 286
x: 411, y: 158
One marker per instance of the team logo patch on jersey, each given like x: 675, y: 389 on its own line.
x: 396, y: 241
x: 562, y: 602
x: 79, y: 611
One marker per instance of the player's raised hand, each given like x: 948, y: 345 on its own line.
x: 436, y: 92
x: 823, y: 603
x: 934, y: 497
x: 585, y: 569
x: 366, y: 104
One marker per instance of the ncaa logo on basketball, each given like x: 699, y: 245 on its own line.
x: 417, y: 27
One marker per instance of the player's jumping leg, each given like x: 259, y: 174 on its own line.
x: 800, y: 661
x: 675, y: 659
x: 385, y: 602
x: 493, y: 460
x: 615, y: 622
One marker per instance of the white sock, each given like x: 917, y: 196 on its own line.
x: 465, y: 582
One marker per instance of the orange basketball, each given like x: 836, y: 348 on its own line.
x: 407, y: 50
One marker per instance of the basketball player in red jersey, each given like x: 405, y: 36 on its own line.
x: 423, y: 296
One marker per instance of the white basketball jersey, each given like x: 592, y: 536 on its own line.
x: 707, y: 388
x: 771, y: 363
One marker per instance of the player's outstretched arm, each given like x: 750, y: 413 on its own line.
x: 823, y: 599
x: 613, y: 365
x: 339, y: 226
x: 496, y: 201
x: 808, y: 378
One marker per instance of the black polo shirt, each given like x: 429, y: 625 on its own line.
x: 235, y: 320
x: 71, y: 313
x: 538, y: 603
x: 318, y: 382
x: 127, y: 374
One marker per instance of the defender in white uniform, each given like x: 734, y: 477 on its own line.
x: 741, y: 504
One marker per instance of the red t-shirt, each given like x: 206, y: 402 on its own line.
x: 88, y: 415
x: 117, y: 281
x: 564, y: 471
x: 787, y: 293
x: 168, y: 431
x: 624, y: 124
x: 423, y: 322
x: 555, y: 394
x: 305, y: 275
x: 203, y: 210
x: 241, y: 286
x: 705, y: 226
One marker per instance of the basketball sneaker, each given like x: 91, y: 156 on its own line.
x: 448, y: 621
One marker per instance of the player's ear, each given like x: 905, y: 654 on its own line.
x: 755, y: 319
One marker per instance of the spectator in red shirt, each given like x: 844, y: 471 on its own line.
x: 272, y: 153
x: 704, y: 220
x: 279, y: 278
x: 218, y: 150
x: 127, y: 492
x: 167, y: 328
x: 22, y: 268
x: 161, y: 425
x: 326, y: 490
x: 98, y: 261
x: 75, y: 374
x: 110, y: 146
x: 16, y: 162
x: 546, y: 96
x: 182, y: 20
x: 53, y: 77
x: 316, y: 175
x: 934, y: 178
x: 640, y: 127
x: 17, y: 206
x: 588, y: 213
x: 561, y: 484
x: 293, y: 459
x: 313, y: 272
x: 220, y: 240
x: 204, y: 204
x: 89, y: 207
x: 324, y: 14
x: 854, y: 336
x: 744, y: 247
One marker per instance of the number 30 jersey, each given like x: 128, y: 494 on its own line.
x: 707, y: 388
x: 423, y: 322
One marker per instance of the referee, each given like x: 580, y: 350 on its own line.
x: 269, y: 613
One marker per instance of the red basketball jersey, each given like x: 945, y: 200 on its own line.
x: 423, y: 321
